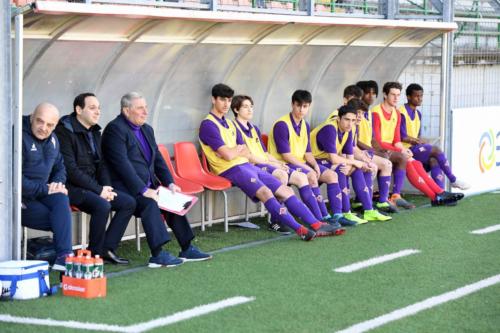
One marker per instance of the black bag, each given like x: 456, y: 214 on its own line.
x: 41, y: 248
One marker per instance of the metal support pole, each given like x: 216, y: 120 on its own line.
x: 18, y: 130
x: 446, y: 125
x: 389, y: 8
x: 214, y: 4
x: 310, y: 7
x: 7, y: 239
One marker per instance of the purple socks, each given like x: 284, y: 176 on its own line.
x: 309, y: 199
x: 438, y: 175
x: 383, y: 187
x: 297, y: 208
x: 445, y: 166
x: 399, y: 178
x: 321, y: 203
x: 279, y: 213
x: 361, y: 189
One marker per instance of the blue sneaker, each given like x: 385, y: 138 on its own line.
x: 332, y: 221
x: 194, y: 254
x: 60, y: 263
x: 342, y: 221
x: 164, y: 259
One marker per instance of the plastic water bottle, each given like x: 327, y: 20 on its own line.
x: 77, y: 266
x: 98, y: 267
x: 69, y: 262
x: 88, y: 267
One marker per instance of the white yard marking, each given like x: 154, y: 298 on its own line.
x: 486, y: 230
x: 61, y: 323
x: 142, y: 327
x: 191, y: 313
x: 420, y: 306
x: 375, y: 261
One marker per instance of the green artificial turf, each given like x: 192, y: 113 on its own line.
x: 294, y: 284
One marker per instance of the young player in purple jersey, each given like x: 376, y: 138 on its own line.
x: 387, y: 134
x: 242, y: 107
x: 289, y: 142
x: 364, y: 147
x: 432, y: 157
x: 228, y: 157
x: 363, y: 151
x: 332, y: 146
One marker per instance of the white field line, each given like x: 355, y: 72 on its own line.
x: 486, y: 230
x: 60, y: 323
x: 191, y: 313
x: 420, y: 306
x: 137, y: 328
x: 375, y: 261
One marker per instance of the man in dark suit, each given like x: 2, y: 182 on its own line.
x: 88, y: 180
x: 137, y: 167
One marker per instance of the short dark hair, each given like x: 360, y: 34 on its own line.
x: 367, y: 85
x: 80, y: 100
x: 222, y: 90
x: 345, y: 109
x: 413, y: 87
x: 237, y: 101
x: 301, y: 97
x: 391, y: 85
x: 353, y: 91
x: 357, y: 104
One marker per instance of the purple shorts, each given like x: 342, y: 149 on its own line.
x: 327, y: 165
x: 249, y: 179
x: 266, y: 167
x: 422, y: 153
x: 294, y: 167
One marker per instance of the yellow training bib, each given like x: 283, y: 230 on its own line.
x: 412, y: 126
x: 298, y: 143
x: 321, y: 154
x: 217, y: 164
x: 387, y: 127
x: 253, y: 143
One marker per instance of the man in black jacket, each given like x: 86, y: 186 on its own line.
x: 45, y: 204
x: 137, y: 167
x: 89, y: 184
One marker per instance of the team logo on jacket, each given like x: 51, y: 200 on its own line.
x: 33, y: 147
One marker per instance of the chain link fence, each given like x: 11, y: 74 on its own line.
x: 476, y: 70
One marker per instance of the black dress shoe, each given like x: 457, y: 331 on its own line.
x: 112, y: 257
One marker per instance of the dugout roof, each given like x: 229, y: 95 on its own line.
x: 174, y: 56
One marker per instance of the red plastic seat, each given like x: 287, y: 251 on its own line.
x: 186, y: 186
x: 265, y: 139
x: 189, y: 167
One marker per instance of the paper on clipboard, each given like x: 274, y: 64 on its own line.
x: 175, y: 202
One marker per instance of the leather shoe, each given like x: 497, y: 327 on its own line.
x: 112, y: 257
